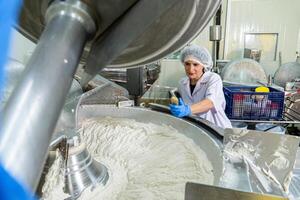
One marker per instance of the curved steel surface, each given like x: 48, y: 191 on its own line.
x: 82, y: 171
x: 14, y: 69
x: 203, y: 123
x: 243, y: 71
x: 170, y: 31
x: 32, y: 18
x: 175, y: 28
x: 66, y: 121
x: 39, y: 96
x: 287, y: 73
x: 294, y: 189
x: 205, y: 140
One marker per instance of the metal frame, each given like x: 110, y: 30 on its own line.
x: 286, y: 119
x: 263, y: 33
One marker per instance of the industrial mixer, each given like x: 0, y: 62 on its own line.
x: 101, y: 34
x: 288, y: 72
x: 244, y: 71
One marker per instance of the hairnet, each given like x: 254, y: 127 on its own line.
x: 199, y: 53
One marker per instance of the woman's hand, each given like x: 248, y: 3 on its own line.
x: 180, y: 110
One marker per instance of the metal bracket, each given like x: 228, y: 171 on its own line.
x: 127, y: 103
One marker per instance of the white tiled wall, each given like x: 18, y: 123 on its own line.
x: 171, y: 72
x: 263, y: 16
x: 203, y: 38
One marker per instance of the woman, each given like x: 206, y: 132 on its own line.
x: 202, y: 90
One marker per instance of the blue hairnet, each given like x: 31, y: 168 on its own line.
x: 199, y: 53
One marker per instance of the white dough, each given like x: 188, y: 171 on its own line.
x: 145, y: 161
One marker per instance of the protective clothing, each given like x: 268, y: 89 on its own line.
x: 199, y: 53
x: 180, y: 110
x: 210, y: 87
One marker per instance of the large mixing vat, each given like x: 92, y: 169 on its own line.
x: 204, y: 139
x: 146, y: 30
x: 288, y: 72
x: 244, y: 71
x: 106, y: 33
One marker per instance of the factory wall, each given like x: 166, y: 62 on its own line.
x: 203, y: 38
x: 172, y: 70
x: 263, y: 16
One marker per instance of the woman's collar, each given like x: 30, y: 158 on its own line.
x: 203, y: 79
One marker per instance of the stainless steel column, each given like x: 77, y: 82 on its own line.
x: 32, y: 111
x: 215, y: 35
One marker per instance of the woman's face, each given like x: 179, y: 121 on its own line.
x: 193, y: 69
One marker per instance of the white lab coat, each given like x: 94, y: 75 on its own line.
x: 210, y: 87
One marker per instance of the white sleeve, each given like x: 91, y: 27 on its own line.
x: 214, y: 92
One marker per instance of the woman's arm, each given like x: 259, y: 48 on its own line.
x: 203, y: 106
x: 212, y: 97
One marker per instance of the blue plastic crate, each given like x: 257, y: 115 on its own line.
x: 244, y: 103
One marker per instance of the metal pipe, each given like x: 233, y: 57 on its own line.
x: 32, y: 111
x: 295, y: 111
x: 215, y: 35
x: 214, y: 57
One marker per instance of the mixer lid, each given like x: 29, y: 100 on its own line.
x: 178, y: 25
x: 288, y: 72
x: 244, y: 71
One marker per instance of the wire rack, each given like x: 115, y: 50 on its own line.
x: 289, y: 116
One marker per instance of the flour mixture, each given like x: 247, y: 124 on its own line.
x: 145, y: 161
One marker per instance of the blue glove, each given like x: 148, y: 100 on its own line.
x: 180, y: 110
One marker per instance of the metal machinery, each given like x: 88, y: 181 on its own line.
x: 243, y: 71
x: 215, y: 35
x: 287, y: 72
x: 249, y: 72
x: 136, y: 80
x: 100, y: 34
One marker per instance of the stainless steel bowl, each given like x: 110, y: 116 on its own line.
x: 205, y: 140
